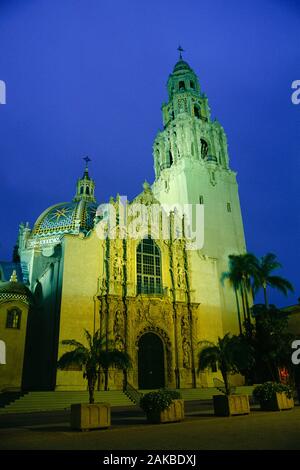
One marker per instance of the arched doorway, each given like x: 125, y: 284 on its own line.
x: 151, y: 362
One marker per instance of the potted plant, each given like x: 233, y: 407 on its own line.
x: 274, y: 396
x: 93, y: 358
x: 231, y: 354
x: 163, y: 406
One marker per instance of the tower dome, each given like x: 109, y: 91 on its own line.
x: 181, y: 66
x: 14, y: 290
x: 182, y: 78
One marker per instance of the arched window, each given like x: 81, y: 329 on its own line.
x: 192, y: 85
x: 201, y: 200
x: 81, y: 190
x: 181, y: 85
x: 13, y: 318
x: 170, y: 158
x: 197, y: 111
x: 148, y: 267
x: 87, y: 190
x: 203, y: 148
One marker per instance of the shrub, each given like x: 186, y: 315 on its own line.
x: 158, y: 401
x: 267, y: 390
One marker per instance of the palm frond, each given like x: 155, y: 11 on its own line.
x: 205, y: 343
x: 120, y: 359
x: 231, y: 353
x: 114, y: 358
x: 269, y: 263
x: 283, y: 285
x: 208, y: 356
x: 89, y: 338
x: 78, y: 356
x: 72, y: 342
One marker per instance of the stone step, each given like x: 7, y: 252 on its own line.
x: 60, y: 400
x: 48, y: 401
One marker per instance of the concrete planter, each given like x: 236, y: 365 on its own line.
x: 278, y: 402
x: 87, y: 416
x: 174, y: 413
x: 231, y: 405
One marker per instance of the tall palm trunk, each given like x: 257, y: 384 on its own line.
x: 106, y: 379
x: 247, y: 304
x: 238, y: 309
x: 125, y: 380
x: 243, y: 301
x: 91, y: 387
x: 225, y: 378
x: 265, y: 295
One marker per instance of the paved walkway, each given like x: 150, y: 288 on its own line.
x: 200, y: 430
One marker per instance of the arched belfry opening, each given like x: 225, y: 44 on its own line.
x: 197, y: 111
x: 203, y: 148
x: 151, y: 362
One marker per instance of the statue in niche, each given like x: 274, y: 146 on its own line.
x: 184, y: 326
x: 146, y: 312
x: 143, y: 312
x: 118, y: 268
x: 180, y: 275
x: 118, y: 323
x: 186, y: 354
x: 119, y: 343
x: 139, y: 313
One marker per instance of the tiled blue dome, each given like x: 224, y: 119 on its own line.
x: 67, y: 217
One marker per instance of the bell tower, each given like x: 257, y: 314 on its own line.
x: 191, y: 166
x: 189, y: 132
x: 191, y: 162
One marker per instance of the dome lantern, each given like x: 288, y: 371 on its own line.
x: 72, y: 217
x: 183, y: 78
x: 85, y: 188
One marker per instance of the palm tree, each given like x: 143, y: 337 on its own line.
x: 234, y: 282
x: 263, y: 277
x: 231, y: 353
x: 94, y: 357
x: 241, y: 269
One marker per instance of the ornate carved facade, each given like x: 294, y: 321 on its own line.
x: 149, y: 295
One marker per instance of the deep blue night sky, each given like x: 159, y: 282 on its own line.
x: 88, y: 78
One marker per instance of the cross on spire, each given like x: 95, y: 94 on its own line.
x: 87, y: 160
x: 180, y: 50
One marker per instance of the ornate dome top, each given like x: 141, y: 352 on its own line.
x: 182, y: 66
x: 14, y: 290
x: 182, y: 79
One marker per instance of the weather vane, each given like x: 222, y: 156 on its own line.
x: 180, y: 50
x: 87, y: 160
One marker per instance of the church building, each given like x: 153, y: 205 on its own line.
x: 155, y: 296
